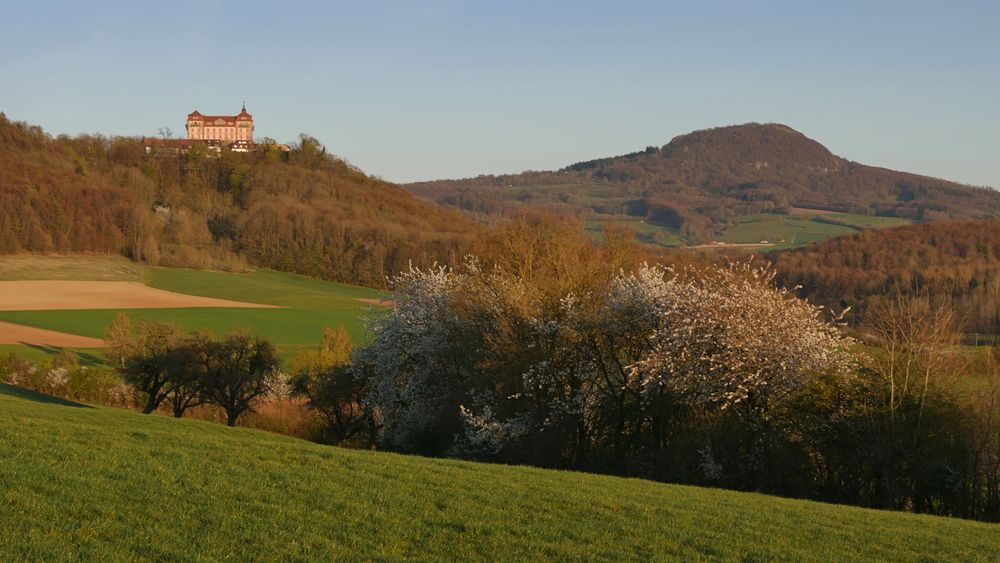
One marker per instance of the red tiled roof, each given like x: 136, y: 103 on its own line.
x: 208, y: 119
x: 211, y: 119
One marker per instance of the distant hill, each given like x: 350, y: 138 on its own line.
x: 302, y: 211
x: 953, y: 263
x: 83, y: 482
x: 701, y: 184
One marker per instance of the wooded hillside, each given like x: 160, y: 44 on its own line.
x: 701, y: 182
x: 304, y: 211
x: 954, y: 263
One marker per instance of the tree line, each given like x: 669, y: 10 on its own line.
x: 954, y: 264
x: 165, y: 365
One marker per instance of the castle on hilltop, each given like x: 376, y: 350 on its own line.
x: 233, y: 130
x: 215, y: 132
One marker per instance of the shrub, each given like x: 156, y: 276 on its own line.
x: 477, y: 363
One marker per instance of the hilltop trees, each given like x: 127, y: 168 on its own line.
x: 303, y: 211
x: 702, y: 182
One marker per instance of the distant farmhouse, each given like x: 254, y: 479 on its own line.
x: 212, y: 131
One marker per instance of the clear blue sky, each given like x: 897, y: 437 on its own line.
x: 452, y: 89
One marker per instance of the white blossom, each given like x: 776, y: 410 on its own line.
x: 56, y: 379
x: 474, y: 351
x: 727, y: 335
x: 278, y: 386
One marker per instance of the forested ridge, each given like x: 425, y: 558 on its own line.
x: 304, y: 211
x: 702, y: 182
x: 954, y: 263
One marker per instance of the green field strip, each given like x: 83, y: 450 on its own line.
x: 284, y: 327
x: 260, y: 286
x: 39, y: 353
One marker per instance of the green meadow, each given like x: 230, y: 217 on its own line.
x: 786, y: 231
x: 783, y: 231
x: 39, y: 354
x: 262, y: 286
x: 82, y: 482
x: 646, y: 232
x: 284, y: 327
x: 88, y: 267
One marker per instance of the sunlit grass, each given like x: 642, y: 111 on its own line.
x: 80, y: 482
x: 69, y: 267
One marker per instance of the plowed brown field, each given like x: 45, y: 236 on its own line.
x: 19, y: 334
x: 41, y: 295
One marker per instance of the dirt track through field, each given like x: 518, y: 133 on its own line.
x: 42, y: 295
x: 19, y: 334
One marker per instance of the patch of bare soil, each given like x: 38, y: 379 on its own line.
x: 40, y: 295
x: 19, y: 334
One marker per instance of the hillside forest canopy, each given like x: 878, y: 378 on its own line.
x: 304, y: 211
x: 700, y: 183
x: 953, y: 264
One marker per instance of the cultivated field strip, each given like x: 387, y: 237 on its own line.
x: 11, y: 333
x: 45, y: 295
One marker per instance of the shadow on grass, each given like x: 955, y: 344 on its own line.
x: 86, y: 359
x: 22, y: 393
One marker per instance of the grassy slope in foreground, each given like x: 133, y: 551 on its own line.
x: 101, y: 483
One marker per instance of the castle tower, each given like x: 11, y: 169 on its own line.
x: 244, y: 125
